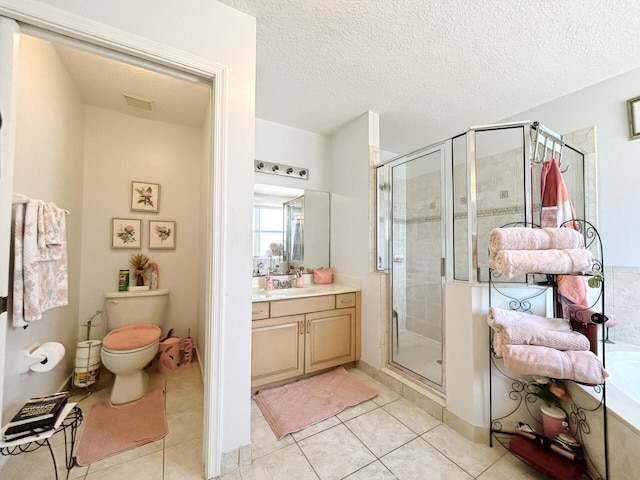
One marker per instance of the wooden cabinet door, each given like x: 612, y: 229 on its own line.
x: 330, y: 339
x: 277, y: 351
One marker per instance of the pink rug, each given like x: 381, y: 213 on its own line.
x: 306, y: 402
x: 110, y: 429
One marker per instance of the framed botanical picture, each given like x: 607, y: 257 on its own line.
x: 126, y: 233
x: 633, y: 109
x: 162, y: 234
x: 145, y: 197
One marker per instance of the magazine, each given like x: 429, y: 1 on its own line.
x: 38, y: 414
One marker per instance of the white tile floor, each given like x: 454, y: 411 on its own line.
x: 385, y: 438
x: 176, y: 457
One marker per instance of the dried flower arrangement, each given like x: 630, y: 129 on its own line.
x: 140, y: 262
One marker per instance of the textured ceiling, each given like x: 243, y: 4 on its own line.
x: 432, y: 68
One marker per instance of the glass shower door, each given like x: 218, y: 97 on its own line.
x: 417, y: 228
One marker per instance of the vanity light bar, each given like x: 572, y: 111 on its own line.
x: 280, y: 169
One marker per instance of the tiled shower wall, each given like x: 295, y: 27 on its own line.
x: 623, y: 303
x: 499, y: 200
x: 417, y: 227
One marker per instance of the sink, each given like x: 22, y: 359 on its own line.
x: 284, y: 292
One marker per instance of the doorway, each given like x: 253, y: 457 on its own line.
x: 416, y: 265
x: 81, y: 213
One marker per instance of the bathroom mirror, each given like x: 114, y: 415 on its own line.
x: 290, y: 228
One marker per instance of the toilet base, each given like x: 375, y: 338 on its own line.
x: 128, y: 388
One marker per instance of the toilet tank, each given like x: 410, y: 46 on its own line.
x: 135, y: 308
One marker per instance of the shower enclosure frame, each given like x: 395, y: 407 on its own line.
x: 385, y: 260
x: 538, y: 143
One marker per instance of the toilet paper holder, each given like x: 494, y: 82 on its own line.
x: 35, y: 359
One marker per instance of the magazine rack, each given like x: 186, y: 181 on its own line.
x: 68, y: 423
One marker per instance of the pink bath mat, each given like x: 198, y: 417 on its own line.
x: 306, y: 402
x: 110, y: 429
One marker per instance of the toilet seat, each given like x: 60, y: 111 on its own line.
x: 131, y: 338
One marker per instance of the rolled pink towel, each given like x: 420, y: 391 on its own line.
x: 525, y: 238
x: 518, y: 328
x: 531, y: 335
x: 500, y: 317
x: 515, y: 262
x: 581, y: 366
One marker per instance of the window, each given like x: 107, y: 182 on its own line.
x: 267, y: 228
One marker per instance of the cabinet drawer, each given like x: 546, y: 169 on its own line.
x: 345, y: 300
x: 302, y: 305
x: 259, y: 310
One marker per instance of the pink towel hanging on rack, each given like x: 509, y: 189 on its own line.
x: 556, y: 209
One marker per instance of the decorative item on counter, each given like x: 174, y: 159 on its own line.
x: 188, y: 349
x: 299, y: 279
x: 322, y: 276
x: 268, y: 282
x: 155, y: 271
x: 273, y: 252
x: 140, y: 262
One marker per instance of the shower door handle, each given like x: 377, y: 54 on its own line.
x: 442, y: 267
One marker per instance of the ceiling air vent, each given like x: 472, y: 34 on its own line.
x: 135, y: 101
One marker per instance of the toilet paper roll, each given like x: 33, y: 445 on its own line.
x: 53, y: 353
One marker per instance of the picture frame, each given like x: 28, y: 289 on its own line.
x: 126, y: 233
x: 145, y: 197
x: 633, y: 112
x: 162, y: 235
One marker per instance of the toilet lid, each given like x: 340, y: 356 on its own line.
x: 132, y: 337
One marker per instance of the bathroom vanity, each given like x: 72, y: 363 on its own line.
x: 301, y: 331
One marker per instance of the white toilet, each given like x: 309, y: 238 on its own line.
x: 133, y: 320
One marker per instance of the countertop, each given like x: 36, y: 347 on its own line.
x: 311, y: 290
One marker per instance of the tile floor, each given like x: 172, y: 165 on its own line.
x: 176, y: 457
x: 385, y: 438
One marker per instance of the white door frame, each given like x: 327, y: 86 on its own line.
x: 95, y: 33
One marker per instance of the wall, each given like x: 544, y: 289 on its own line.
x: 118, y: 149
x: 353, y: 150
x: 603, y: 106
x: 216, y: 34
x: 48, y: 167
x: 291, y: 146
